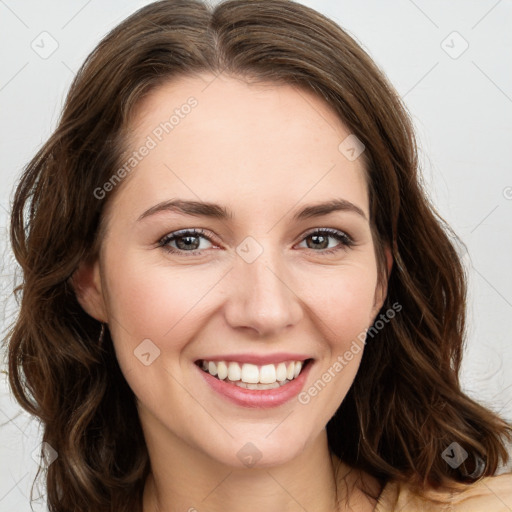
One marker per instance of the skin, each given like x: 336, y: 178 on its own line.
x: 264, y: 152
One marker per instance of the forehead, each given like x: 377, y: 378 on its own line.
x: 215, y: 136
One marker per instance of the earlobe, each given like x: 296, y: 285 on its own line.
x: 86, y: 282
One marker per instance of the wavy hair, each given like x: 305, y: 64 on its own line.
x: 405, y: 405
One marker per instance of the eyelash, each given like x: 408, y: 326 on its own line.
x: 346, y: 240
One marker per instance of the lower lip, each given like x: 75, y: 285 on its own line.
x: 255, y: 398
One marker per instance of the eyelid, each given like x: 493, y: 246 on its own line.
x: 342, y: 236
x: 199, y: 232
x: 331, y: 231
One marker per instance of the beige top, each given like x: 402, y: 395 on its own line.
x: 491, y: 494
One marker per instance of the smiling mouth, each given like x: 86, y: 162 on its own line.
x: 251, y: 376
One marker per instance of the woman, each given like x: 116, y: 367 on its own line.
x: 236, y: 293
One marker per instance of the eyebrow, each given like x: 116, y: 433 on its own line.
x: 215, y: 211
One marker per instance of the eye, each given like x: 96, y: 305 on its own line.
x: 189, y: 241
x: 320, y: 240
x: 186, y: 240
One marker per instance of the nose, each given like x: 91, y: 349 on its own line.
x: 261, y: 296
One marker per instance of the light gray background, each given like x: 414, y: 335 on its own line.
x: 461, y: 103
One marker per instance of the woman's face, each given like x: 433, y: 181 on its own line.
x: 261, y: 284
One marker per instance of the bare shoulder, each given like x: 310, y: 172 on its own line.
x: 493, y: 493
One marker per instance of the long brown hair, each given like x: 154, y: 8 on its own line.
x: 405, y: 406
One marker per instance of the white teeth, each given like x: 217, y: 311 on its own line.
x: 290, y: 373
x: 263, y: 386
x: 281, y: 372
x: 268, y: 374
x: 244, y: 385
x: 251, y: 376
x: 222, y: 370
x: 234, y: 372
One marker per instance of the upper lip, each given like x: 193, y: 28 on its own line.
x: 258, y: 359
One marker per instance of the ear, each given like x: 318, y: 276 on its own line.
x: 86, y: 282
x: 381, y: 290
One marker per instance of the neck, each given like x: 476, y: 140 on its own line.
x: 182, y: 479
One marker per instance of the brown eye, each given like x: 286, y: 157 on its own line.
x: 186, y: 241
x: 319, y: 240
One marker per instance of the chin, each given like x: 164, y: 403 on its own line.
x: 257, y: 451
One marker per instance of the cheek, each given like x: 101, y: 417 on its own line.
x: 345, y: 300
x: 156, y: 303
x: 344, y: 305
x: 150, y: 300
